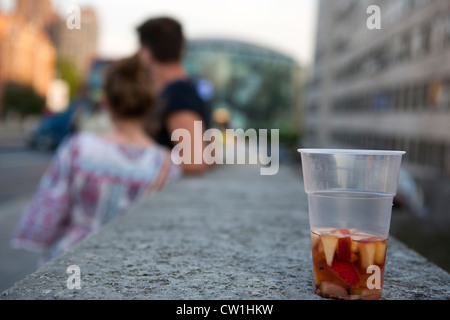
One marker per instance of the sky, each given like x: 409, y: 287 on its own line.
x: 287, y: 26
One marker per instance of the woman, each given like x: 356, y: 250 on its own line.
x: 94, y: 178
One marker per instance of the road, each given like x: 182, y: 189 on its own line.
x: 20, y: 172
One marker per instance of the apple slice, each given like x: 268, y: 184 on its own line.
x: 365, y: 294
x: 380, y: 252
x: 329, y: 247
x: 367, y: 253
x: 354, y: 246
x: 314, y: 240
x: 329, y: 289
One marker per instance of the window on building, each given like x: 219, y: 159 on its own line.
x: 391, y: 99
x: 405, y: 47
x: 425, y: 93
x: 413, y: 151
x: 435, y: 158
x: 417, y: 97
x: 447, y: 30
x: 441, y: 156
x: 416, y: 42
x: 438, y: 34
x: 398, y: 143
x: 395, y: 49
x: 445, y: 95
x: 426, y: 38
x: 407, y: 101
x: 422, y: 153
x: 399, y: 101
x: 438, y: 94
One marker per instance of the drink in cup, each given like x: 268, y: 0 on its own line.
x: 350, y: 197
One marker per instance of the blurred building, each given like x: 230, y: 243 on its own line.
x: 77, y: 46
x: 386, y: 88
x: 27, y: 56
x: 39, y: 13
x: 33, y: 37
x: 257, y: 86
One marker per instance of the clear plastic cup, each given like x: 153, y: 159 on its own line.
x: 350, y: 196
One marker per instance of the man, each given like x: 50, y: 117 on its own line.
x: 162, y: 44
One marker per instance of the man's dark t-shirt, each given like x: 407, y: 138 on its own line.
x: 181, y: 95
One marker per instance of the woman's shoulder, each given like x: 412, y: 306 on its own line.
x: 88, y: 139
x: 77, y: 137
x: 80, y: 142
x: 86, y: 136
x: 94, y: 141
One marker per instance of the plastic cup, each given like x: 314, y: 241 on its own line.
x: 350, y: 196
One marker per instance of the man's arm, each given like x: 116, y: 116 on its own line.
x: 185, y: 120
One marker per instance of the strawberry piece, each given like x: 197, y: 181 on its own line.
x: 346, y: 271
x: 344, y: 250
x: 344, y: 245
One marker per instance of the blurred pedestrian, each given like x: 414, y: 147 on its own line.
x: 95, y: 178
x: 180, y: 102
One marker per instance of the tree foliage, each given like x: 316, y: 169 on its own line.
x: 22, y: 99
x: 66, y: 70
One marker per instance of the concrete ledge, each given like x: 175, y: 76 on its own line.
x: 231, y: 234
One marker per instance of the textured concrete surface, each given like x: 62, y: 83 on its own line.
x: 232, y: 234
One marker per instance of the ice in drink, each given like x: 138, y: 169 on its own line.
x: 348, y: 264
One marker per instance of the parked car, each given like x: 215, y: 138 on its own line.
x: 410, y: 195
x: 53, y: 128
x: 51, y: 131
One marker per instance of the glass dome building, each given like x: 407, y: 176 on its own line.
x: 258, y: 87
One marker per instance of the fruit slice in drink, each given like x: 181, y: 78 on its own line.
x: 329, y: 243
x: 344, y: 262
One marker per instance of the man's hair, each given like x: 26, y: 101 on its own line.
x: 164, y: 37
x: 128, y: 89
